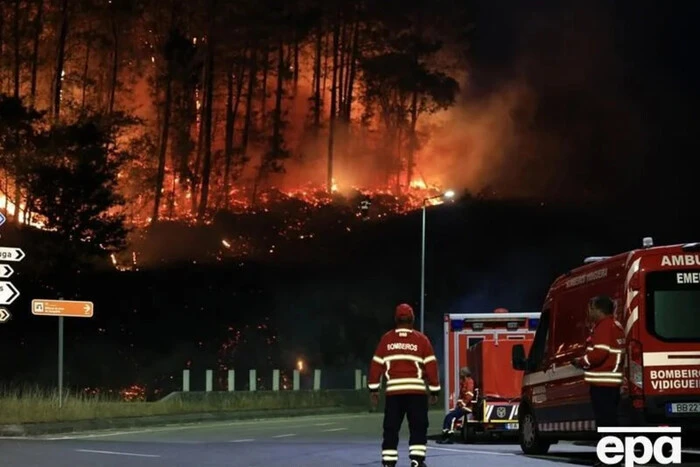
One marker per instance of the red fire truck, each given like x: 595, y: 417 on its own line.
x: 484, y: 342
x: 657, y: 293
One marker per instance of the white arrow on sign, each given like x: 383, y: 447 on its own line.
x: 4, y: 315
x: 11, y: 254
x: 8, y: 293
x: 6, y: 271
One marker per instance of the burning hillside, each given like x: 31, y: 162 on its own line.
x: 280, y: 225
x: 329, y: 111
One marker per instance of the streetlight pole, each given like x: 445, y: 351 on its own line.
x: 446, y: 195
x: 422, y: 269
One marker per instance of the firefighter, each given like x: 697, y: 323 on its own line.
x: 406, y: 359
x: 463, y: 406
x: 603, y: 360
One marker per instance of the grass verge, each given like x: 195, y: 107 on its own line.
x: 36, y: 406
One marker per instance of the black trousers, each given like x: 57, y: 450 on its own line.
x: 605, y: 401
x: 415, y: 408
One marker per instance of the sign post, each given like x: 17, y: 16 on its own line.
x: 62, y: 309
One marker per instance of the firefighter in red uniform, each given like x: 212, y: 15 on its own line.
x: 406, y: 359
x: 603, y: 360
x: 463, y: 407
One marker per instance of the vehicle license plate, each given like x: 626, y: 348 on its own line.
x: 684, y: 407
x: 511, y: 426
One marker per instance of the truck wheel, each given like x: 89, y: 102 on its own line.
x: 468, y: 434
x: 531, y: 442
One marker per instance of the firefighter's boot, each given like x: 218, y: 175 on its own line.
x: 446, y: 437
x: 418, y: 463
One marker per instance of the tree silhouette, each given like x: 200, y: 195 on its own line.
x: 75, y: 183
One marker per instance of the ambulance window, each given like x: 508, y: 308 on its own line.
x: 673, y: 300
x: 539, y: 344
x: 472, y: 341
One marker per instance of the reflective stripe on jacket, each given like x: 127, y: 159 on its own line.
x: 603, y: 360
x: 406, y: 359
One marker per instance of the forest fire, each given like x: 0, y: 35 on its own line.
x: 9, y: 209
x: 197, y: 124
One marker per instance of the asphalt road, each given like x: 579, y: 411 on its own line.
x: 329, y: 441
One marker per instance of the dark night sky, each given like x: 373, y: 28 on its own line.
x: 616, y: 87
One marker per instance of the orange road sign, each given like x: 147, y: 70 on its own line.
x: 68, y: 308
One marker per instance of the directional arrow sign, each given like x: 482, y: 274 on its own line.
x: 8, y: 293
x: 6, y: 271
x: 68, y: 308
x: 4, y: 315
x: 2, y: 219
x: 11, y: 254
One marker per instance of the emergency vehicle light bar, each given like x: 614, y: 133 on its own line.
x: 532, y: 323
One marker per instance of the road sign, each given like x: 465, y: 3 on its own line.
x: 67, y: 308
x: 11, y: 254
x: 2, y: 219
x: 8, y: 293
x: 6, y: 271
x: 4, y: 315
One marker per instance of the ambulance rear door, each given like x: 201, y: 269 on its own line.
x: 669, y: 337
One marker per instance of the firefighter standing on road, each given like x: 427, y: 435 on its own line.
x: 603, y: 360
x: 406, y: 358
x: 463, y: 408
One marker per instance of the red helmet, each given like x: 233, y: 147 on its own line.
x: 404, y: 311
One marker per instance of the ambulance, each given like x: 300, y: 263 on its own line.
x: 484, y: 343
x: 657, y: 295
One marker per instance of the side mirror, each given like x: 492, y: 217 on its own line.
x: 519, y: 360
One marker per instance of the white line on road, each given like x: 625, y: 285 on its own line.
x: 114, y: 453
x: 488, y: 453
x: 334, y: 429
x: 241, y: 441
x: 284, y: 436
x: 323, y: 424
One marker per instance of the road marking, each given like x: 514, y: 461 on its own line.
x: 334, y: 429
x: 488, y: 453
x: 115, y: 453
x: 241, y: 441
x: 190, y: 426
x: 323, y: 424
x: 284, y: 436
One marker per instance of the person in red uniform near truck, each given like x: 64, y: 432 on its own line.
x: 603, y: 360
x: 406, y: 359
x: 463, y: 406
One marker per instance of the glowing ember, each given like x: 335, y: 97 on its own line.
x: 133, y: 393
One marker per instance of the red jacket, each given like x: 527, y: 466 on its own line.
x: 466, y: 393
x: 406, y: 359
x: 603, y: 359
